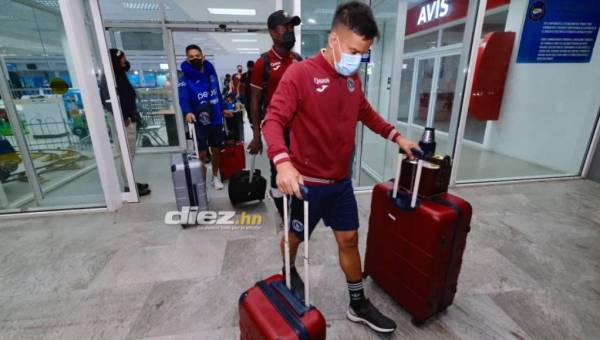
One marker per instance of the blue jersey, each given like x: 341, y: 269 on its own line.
x: 199, y: 93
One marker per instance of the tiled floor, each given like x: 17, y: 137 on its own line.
x: 531, y: 270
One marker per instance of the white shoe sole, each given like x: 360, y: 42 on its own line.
x: 356, y: 318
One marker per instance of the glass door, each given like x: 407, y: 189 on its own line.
x: 151, y: 77
x: 422, y: 94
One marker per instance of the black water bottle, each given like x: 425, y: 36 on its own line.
x: 427, y: 142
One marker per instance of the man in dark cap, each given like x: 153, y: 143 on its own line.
x: 268, y: 71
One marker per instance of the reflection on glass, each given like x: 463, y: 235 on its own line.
x: 421, y: 42
x: 445, y: 92
x: 52, y: 118
x: 406, y: 81
x: 423, y: 94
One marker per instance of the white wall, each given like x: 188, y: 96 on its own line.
x: 548, y: 110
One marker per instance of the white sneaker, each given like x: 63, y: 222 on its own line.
x: 217, y: 183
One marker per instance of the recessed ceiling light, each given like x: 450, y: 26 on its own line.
x: 232, y: 11
x: 244, y: 40
x: 312, y: 21
x: 164, y: 66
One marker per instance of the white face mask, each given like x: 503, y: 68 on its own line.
x: 348, y: 64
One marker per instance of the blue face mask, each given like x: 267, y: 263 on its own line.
x: 348, y: 64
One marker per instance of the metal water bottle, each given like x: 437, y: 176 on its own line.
x: 427, y: 142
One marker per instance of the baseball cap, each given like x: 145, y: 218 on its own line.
x: 282, y: 18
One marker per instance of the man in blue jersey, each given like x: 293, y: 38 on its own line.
x: 202, y: 104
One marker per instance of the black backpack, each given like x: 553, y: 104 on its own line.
x: 266, y: 75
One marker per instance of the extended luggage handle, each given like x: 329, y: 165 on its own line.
x: 252, y: 167
x: 286, y: 246
x: 192, y: 130
x: 415, y: 190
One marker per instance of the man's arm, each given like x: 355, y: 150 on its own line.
x: 282, y: 108
x: 184, y: 102
x: 256, y: 93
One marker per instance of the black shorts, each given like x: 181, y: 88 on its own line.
x: 209, y: 135
x: 334, y: 203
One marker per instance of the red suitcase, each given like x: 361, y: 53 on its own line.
x: 233, y: 159
x: 270, y: 310
x: 415, y: 247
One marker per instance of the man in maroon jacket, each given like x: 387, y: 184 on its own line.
x: 321, y: 101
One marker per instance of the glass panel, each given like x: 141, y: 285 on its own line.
x: 421, y: 42
x: 149, y: 10
x: 547, y: 113
x: 151, y: 78
x: 453, y: 35
x: 52, y: 118
x: 423, y: 92
x: 406, y: 81
x: 378, y: 86
x: 445, y: 92
x: 316, y: 23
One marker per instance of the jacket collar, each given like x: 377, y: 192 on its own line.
x: 320, y: 59
x: 191, y: 72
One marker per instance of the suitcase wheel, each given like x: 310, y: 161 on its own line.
x: 417, y: 322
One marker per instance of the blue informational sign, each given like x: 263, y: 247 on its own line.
x: 559, y: 31
x: 366, y: 58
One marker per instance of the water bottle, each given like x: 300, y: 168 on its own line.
x: 427, y: 142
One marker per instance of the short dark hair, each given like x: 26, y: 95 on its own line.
x: 192, y: 47
x: 358, y: 17
x: 250, y: 63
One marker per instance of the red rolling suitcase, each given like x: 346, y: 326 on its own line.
x: 415, y: 247
x: 233, y: 159
x: 270, y: 310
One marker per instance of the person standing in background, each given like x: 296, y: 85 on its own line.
x: 202, y: 104
x: 127, y: 101
x: 226, y: 84
x: 246, y: 77
x: 268, y: 71
x: 236, y: 80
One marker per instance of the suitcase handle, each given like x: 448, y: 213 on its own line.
x: 192, y: 130
x: 286, y: 242
x: 415, y: 190
x: 252, y: 167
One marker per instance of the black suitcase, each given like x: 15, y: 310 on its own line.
x: 247, y: 185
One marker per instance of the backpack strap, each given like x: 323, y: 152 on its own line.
x: 266, y: 69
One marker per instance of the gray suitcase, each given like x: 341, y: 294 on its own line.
x: 189, y: 181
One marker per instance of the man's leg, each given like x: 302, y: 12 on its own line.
x: 215, y: 140
x: 276, y: 195
x: 343, y: 219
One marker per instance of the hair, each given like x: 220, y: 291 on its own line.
x: 250, y: 63
x: 358, y: 17
x: 192, y: 47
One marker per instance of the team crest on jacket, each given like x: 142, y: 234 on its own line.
x: 351, y: 85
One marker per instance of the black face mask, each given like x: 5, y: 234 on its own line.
x: 289, y: 40
x: 127, y: 67
x: 197, y: 63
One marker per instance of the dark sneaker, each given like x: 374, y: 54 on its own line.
x: 297, y: 283
x: 370, y: 316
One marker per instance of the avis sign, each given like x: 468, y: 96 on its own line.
x: 433, y: 11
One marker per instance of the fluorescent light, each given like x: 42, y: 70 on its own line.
x: 312, y: 21
x: 247, y: 48
x: 232, y: 11
x: 164, y: 66
x: 244, y: 40
x: 255, y: 52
